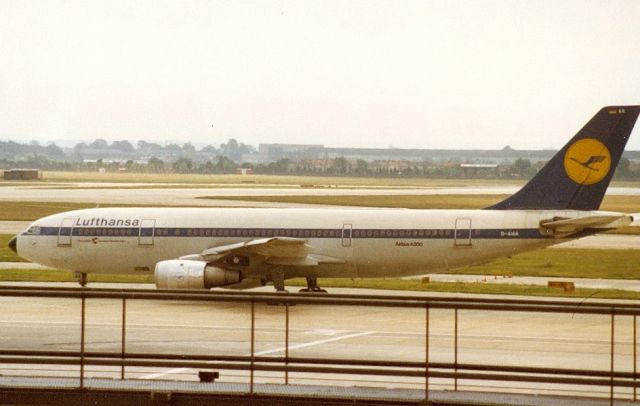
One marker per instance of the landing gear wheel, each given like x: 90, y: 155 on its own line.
x: 277, y: 277
x: 312, y: 286
x: 81, y: 278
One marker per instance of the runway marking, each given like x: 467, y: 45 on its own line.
x: 291, y: 347
x: 382, y: 333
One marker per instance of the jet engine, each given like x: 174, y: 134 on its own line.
x: 188, y: 274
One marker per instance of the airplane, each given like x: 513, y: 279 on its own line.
x: 238, y: 248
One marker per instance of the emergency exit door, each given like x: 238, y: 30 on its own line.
x: 147, y: 232
x: 347, y: 230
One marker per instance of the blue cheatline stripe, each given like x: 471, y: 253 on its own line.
x: 420, y: 234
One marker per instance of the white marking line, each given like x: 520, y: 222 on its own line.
x: 292, y: 347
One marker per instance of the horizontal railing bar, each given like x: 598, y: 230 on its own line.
x: 328, y: 370
x: 321, y: 361
x: 292, y: 299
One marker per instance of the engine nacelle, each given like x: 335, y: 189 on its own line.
x: 187, y: 274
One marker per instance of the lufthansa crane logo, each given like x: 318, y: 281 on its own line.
x: 587, y: 161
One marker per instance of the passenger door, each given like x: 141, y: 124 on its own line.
x: 462, y: 233
x: 65, y: 232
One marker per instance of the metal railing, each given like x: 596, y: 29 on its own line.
x: 286, y: 364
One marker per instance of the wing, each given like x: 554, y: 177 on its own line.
x: 562, y: 227
x: 276, y: 250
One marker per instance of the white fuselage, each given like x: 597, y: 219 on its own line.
x: 370, y: 242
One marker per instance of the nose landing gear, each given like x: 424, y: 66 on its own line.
x: 81, y: 278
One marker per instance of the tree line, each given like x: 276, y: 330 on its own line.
x: 226, y: 159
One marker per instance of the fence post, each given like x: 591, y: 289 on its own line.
x: 613, y: 334
x: 82, y: 327
x: 253, y: 342
x: 426, y: 354
x: 286, y: 344
x: 455, y: 349
x: 124, y: 329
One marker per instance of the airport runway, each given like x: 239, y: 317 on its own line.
x: 129, y: 194
x: 505, y: 338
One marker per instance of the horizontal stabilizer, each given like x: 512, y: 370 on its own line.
x: 566, y: 226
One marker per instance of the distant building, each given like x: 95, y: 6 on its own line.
x: 315, y: 165
x: 295, y: 152
x: 268, y: 153
x: 315, y: 154
x: 244, y: 171
x: 21, y: 174
x: 475, y: 169
x: 391, y: 165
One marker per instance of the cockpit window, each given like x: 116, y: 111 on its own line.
x: 33, y: 230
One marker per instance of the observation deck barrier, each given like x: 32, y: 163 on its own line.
x: 421, y: 372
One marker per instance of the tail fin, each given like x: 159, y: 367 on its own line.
x: 577, y: 176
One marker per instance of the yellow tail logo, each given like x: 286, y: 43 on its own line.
x: 587, y: 161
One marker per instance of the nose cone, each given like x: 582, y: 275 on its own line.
x: 13, y: 244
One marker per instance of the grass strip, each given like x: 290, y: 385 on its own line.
x: 29, y: 211
x: 391, y: 201
x: 25, y: 211
x: 54, y: 275
x: 568, y: 263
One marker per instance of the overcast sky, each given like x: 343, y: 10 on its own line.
x: 423, y: 74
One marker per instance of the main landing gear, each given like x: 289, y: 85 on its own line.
x: 312, y: 286
x: 277, y: 277
x: 81, y: 278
